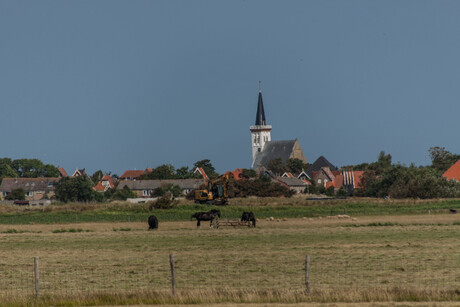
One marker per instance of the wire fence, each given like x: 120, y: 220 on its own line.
x: 229, y: 272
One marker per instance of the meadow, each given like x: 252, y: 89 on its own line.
x: 294, y: 207
x: 390, y: 257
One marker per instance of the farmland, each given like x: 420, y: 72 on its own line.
x: 373, y: 258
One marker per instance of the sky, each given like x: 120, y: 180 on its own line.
x: 117, y: 85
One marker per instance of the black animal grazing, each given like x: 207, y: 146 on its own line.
x: 249, y: 216
x: 153, y: 222
x: 453, y: 211
x: 205, y: 216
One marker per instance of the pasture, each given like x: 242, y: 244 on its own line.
x: 370, y: 259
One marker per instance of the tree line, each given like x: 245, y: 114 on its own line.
x: 383, y: 178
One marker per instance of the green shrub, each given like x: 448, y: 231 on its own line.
x: 164, y: 202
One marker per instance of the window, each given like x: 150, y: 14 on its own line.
x: 146, y: 192
x: 319, y: 180
x: 29, y: 194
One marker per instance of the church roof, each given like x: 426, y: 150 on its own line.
x: 273, y: 150
x: 260, y: 116
x: 318, y: 164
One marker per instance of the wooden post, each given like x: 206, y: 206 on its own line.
x: 37, y: 278
x: 307, y: 274
x: 173, y: 274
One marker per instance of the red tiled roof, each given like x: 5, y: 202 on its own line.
x: 100, y: 187
x: 132, y: 174
x: 62, y: 172
x: 236, y: 174
x: 453, y: 173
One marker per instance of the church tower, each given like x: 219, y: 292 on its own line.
x: 260, y: 132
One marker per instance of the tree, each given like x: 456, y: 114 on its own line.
x: 206, y: 165
x: 175, y: 190
x: 97, y: 176
x: 262, y: 187
x: 165, y: 171
x: 441, y: 159
x: 75, y: 189
x: 248, y: 173
x: 330, y: 191
x: 183, y: 172
x: 33, y: 168
x: 6, y: 169
x: 123, y: 194
x: 17, y: 194
x: 276, y: 166
x: 296, y: 166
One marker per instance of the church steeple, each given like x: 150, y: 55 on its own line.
x: 260, y: 116
x: 260, y: 132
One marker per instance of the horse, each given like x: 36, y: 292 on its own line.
x: 453, y: 211
x: 249, y: 216
x: 153, y: 222
x: 205, y: 216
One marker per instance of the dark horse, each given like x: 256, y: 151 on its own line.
x: 205, y: 216
x: 153, y: 222
x: 249, y: 216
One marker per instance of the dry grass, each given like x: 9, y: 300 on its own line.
x: 231, y: 297
x: 414, y: 259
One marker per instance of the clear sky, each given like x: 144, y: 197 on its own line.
x: 118, y: 85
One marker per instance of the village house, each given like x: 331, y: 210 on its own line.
x: 317, y: 165
x: 105, y: 184
x: 143, y: 188
x: 35, y: 188
x: 345, y: 178
x: 79, y: 172
x: 294, y: 184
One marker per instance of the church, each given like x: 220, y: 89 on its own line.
x: 264, y: 149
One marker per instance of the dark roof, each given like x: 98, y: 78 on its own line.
x: 292, y: 182
x: 318, y: 164
x: 156, y: 183
x: 273, y: 150
x: 28, y: 184
x: 260, y: 116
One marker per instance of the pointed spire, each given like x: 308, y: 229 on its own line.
x: 260, y: 116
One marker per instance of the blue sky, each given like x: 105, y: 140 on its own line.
x: 118, y: 85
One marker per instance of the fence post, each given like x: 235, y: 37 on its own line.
x: 37, y: 278
x: 307, y: 273
x: 173, y: 274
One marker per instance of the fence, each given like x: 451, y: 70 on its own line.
x: 255, y: 272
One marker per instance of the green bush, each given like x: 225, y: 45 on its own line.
x: 164, y: 202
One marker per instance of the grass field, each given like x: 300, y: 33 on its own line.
x: 295, y: 207
x: 369, y: 259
